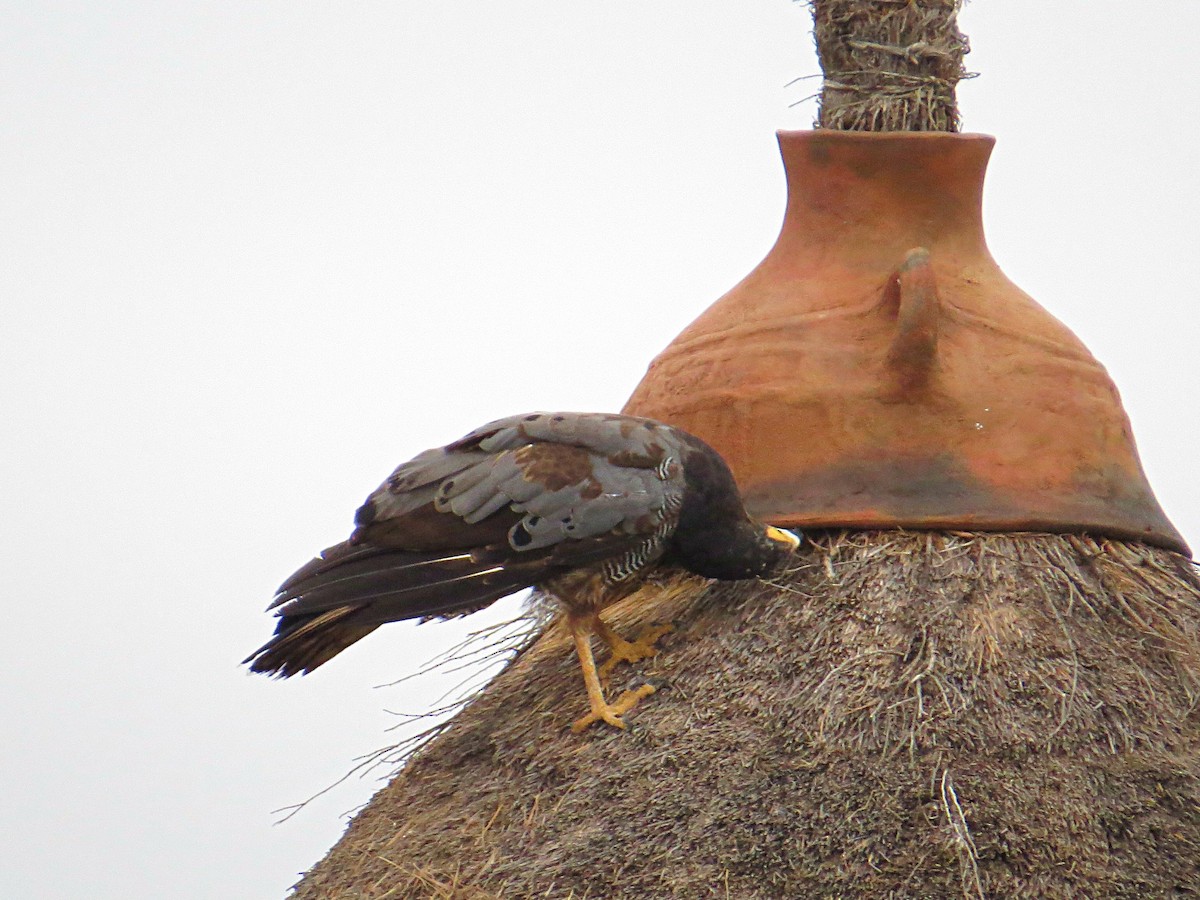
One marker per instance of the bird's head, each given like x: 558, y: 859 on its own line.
x: 771, y: 550
x: 716, y: 537
x: 733, y: 551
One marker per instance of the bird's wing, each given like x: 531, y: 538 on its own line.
x: 543, y: 479
x: 639, y: 441
x: 507, y: 506
x: 499, y: 510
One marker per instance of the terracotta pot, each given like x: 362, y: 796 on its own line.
x: 877, y: 369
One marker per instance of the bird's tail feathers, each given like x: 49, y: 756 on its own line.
x: 344, y: 594
x: 305, y: 642
x: 390, y: 585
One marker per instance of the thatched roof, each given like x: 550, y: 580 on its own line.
x: 904, y: 714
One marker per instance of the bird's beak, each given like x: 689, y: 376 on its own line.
x: 783, y: 536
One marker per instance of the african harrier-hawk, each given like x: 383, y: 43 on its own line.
x: 581, y: 505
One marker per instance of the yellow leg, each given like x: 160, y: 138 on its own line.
x: 642, y: 647
x: 602, y: 711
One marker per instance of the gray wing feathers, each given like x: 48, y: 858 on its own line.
x: 633, y: 500
x: 470, y: 490
x: 488, y: 486
x: 480, y: 475
x: 632, y: 493
x: 416, y: 482
x: 603, y: 433
x: 630, y: 496
x: 431, y: 467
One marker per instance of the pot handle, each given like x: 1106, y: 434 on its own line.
x: 912, y: 355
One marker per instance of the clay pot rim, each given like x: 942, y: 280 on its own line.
x: 883, y: 136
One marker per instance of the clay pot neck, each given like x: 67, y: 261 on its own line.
x: 868, y: 198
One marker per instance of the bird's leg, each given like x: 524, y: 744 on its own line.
x: 642, y: 647
x: 601, y: 709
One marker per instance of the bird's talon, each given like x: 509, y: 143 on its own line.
x: 591, y: 718
x: 612, y: 712
x: 644, y: 646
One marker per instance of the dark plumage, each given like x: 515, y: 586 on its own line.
x: 581, y: 505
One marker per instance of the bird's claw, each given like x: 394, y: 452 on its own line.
x: 644, y: 646
x: 612, y: 712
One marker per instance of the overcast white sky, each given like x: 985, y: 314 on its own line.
x: 252, y: 255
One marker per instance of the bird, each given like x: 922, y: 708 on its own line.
x: 582, y: 506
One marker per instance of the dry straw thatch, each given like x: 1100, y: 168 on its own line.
x: 890, y: 65
x: 903, y: 715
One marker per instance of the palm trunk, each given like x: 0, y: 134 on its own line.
x: 890, y: 65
